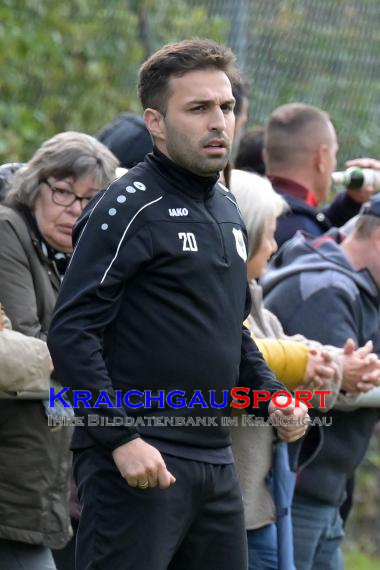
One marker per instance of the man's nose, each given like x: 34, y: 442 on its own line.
x: 217, y: 120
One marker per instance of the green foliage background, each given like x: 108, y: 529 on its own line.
x: 73, y: 64
x: 324, y: 53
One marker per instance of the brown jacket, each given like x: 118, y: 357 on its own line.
x: 35, y: 459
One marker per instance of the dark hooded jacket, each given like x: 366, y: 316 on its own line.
x: 327, y: 300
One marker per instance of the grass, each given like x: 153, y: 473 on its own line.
x: 355, y: 560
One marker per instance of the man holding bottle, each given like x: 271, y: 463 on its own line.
x: 300, y: 147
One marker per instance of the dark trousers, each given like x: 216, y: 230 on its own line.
x: 65, y: 558
x: 196, y: 524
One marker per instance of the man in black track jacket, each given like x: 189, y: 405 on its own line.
x: 153, y: 302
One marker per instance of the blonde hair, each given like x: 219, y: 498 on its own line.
x: 258, y: 203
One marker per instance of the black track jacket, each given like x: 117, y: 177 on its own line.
x: 154, y: 299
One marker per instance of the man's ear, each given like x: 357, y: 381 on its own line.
x: 320, y: 156
x: 155, y: 124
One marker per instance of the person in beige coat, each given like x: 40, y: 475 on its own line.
x: 45, y: 198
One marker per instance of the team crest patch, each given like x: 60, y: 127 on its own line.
x: 240, y: 244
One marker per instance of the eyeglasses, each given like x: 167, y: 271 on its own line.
x: 66, y: 198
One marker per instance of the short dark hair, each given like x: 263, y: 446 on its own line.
x: 250, y: 152
x: 177, y: 59
x: 292, y: 130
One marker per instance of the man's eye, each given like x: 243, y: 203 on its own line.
x: 199, y: 108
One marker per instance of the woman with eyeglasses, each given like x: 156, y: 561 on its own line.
x: 46, y: 197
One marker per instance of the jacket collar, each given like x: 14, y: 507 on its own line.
x: 58, y: 261
x: 199, y: 187
x: 287, y: 186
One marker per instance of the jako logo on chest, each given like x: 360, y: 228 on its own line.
x: 178, y: 212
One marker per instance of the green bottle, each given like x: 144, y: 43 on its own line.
x: 355, y: 178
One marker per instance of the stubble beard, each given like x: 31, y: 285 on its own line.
x: 198, y: 164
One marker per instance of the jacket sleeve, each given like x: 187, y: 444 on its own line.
x: 254, y: 372
x: 286, y: 358
x: 89, y: 299
x: 342, y: 209
x: 350, y: 402
x: 29, y: 373
x: 17, y: 291
x: 338, y: 322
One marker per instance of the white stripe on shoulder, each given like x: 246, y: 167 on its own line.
x: 233, y: 201
x: 88, y: 219
x: 223, y: 186
x: 236, y: 206
x: 124, y: 234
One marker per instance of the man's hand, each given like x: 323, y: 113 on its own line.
x: 320, y: 371
x: 364, y: 194
x: 141, y: 465
x: 364, y: 163
x: 361, y: 368
x: 293, y: 431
